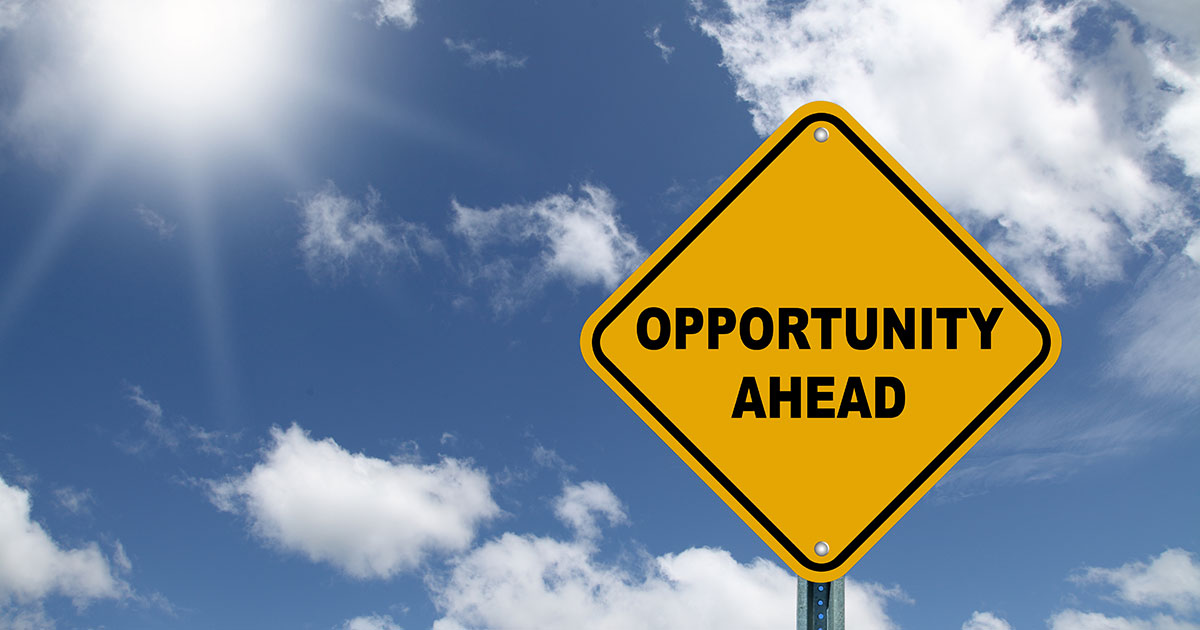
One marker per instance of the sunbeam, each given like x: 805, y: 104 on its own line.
x: 45, y: 247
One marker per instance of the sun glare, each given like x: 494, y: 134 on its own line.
x: 187, y: 66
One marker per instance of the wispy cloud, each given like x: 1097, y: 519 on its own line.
x: 174, y: 433
x: 77, y: 502
x: 478, y: 56
x: 655, y: 37
x: 549, y: 458
x: 578, y: 239
x: 1157, y: 334
x: 1053, y: 443
x: 1049, y: 155
x: 339, y: 232
x: 369, y: 517
x: 155, y: 221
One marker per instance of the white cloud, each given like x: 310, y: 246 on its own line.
x: 579, y: 240
x: 401, y: 13
x: 522, y: 581
x: 1047, y: 157
x: 477, y: 57
x: 530, y: 582
x: 985, y: 621
x: 369, y: 517
x: 371, y: 622
x: 580, y: 505
x: 33, y: 566
x: 155, y: 221
x: 866, y: 605
x: 655, y: 37
x: 1071, y: 619
x: 339, y: 231
x: 1158, y: 334
x: 1172, y: 579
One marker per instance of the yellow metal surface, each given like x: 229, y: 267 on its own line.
x: 805, y: 225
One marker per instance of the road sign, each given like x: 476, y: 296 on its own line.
x: 820, y: 341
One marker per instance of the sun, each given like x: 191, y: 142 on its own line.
x: 186, y: 66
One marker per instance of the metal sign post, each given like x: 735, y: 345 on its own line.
x: 821, y: 605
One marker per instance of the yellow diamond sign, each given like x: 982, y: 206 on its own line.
x: 820, y: 341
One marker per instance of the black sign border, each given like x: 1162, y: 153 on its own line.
x: 941, y: 226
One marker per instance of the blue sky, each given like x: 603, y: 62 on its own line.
x: 290, y: 297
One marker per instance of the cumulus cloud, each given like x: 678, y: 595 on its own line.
x: 578, y: 239
x: 478, y: 57
x: 369, y: 517
x: 339, y: 232
x: 1048, y: 155
x: 580, y: 506
x: 1172, y: 579
x: 33, y: 565
x: 530, y: 582
x: 534, y: 582
x: 985, y: 621
x: 371, y: 622
x: 522, y: 581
